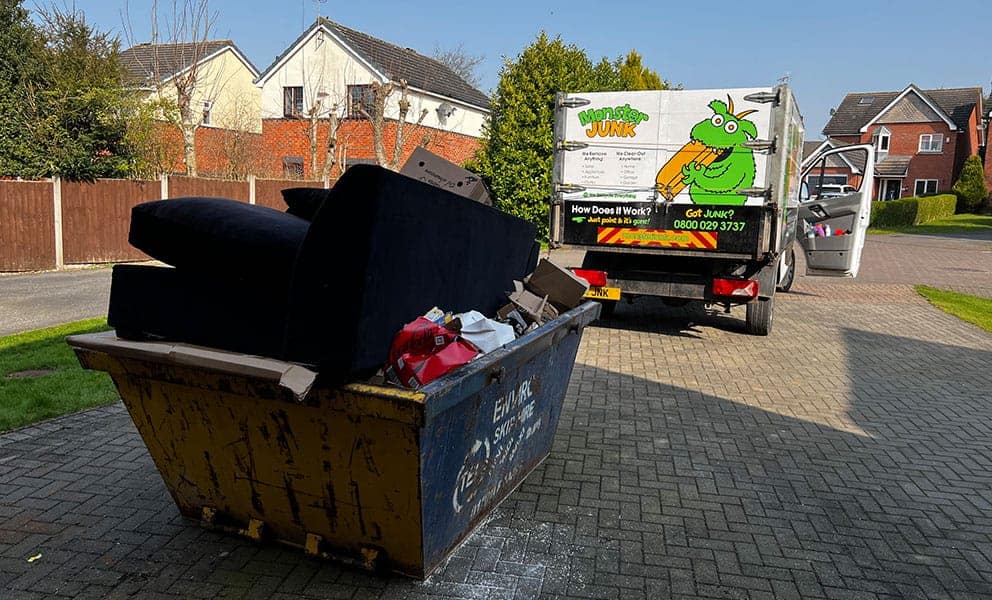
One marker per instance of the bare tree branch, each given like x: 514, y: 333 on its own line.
x: 187, y: 36
x: 461, y: 62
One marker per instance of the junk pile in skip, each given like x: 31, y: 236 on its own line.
x: 344, y: 280
x: 439, y: 342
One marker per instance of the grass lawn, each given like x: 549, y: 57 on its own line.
x: 40, y: 377
x: 973, y: 309
x: 953, y: 224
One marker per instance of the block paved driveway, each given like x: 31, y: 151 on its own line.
x: 848, y: 455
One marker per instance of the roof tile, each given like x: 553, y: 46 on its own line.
x: 155, y: 63
x: 397, y: 63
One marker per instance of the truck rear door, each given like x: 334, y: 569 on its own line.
x: 833, y: 220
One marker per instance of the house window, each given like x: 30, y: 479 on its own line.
x: 292, y: 167
x: 207, y: 107
x: 882, y: 140
x: 925, y: 187
x: 292, y: 101
x: 360, y: 97
x: 931, y: 142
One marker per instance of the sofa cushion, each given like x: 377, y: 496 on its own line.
x: 197, y: 308
x: 218, y: 236
x: 304, y: 202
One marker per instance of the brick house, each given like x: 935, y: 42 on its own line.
x: 921, y: 137
x: 225, y: 102
x: 330, y: 67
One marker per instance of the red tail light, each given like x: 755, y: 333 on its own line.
x: 737, y: 288
x: 595, y: 278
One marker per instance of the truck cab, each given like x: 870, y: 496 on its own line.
x: 697, y: 195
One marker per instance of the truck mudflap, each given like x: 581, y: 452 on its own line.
x: 647, y: 225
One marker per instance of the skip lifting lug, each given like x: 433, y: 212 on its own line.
x: 497, y: 375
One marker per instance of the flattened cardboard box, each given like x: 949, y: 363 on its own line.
x: 295, y: 378
x: 428, y: 167
x: 563, y: 288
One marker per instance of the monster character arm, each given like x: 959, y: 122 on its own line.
x: 692, y: 171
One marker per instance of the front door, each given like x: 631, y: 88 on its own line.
x: 833, y: 223
x: 890, y: 189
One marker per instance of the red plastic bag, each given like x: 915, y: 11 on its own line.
x: 414, y: 370
x: 423, y: 351
x: 420, y: 337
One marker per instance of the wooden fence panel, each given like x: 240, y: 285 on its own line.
x: 27, y: 226
x: 268, y: 192
x: 96, y: 218
x: 211, y: 188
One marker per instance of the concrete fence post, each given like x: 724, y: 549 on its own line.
x: 251, y: 189
x: 164, y: 179
x: 57, y: 205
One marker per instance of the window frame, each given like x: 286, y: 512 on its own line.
x: 367, y: 102
x: 939, y: 137
x: 292, y: 106
x: 883, y: 135
x: 916, y: 185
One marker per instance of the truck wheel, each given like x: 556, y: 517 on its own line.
x: 758, y: 319
x: 790, y: 273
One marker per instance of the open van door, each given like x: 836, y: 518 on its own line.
x: 833, y: 224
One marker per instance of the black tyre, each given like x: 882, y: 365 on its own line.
x: 790, y: 274
x: 758, y: 319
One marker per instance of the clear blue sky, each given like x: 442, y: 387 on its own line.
x: 828, y: 48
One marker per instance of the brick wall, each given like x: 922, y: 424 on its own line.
x: 234, y: 154
x: 284, y: 139
x: 904, y: 140
x: 219, y: 152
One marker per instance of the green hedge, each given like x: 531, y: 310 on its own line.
x: 907, y: 212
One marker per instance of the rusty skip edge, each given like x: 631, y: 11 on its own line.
x: 300, y: 380
x: 295, y: 378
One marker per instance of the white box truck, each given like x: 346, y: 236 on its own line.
x: 698, y: 195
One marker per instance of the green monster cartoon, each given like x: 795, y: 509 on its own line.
x: 732, y: 168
